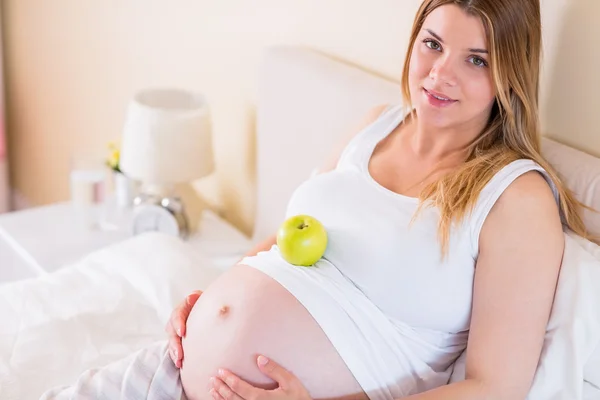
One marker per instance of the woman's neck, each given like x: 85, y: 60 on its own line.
x: 433, y: 143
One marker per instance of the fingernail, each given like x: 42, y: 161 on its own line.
x: 179, y: 332
x: 262, y: 360
x: 212, y: 380
x: 221, y: 372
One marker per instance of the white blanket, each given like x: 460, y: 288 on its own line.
x: 101, y: 309
x: 116, y: 301
x: 148, y: 374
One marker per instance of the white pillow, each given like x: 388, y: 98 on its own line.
x: 571, y: 352
x: 591, y: 371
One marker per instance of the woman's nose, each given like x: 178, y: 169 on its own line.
x: 443, y: 72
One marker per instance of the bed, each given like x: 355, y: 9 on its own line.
x: 117, y: 300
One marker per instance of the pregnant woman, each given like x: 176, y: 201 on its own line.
x: 444, y: 224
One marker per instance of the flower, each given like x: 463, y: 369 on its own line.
x: 114, y: 157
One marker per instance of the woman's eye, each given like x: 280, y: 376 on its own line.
x: 432, y: 44
x: 478, y: 62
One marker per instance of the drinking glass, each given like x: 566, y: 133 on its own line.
x: 88, y: 181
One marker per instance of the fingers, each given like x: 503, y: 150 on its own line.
x: 193, y: 297
x: 239, y: 386
x: 282, y: 376
x: 215, y: 395
x: 221, y: 390
x: 175, y: 348
x: 228, y: 386
x: 176, y: 326
x: 182, y: 312
x: 176, y: 321
x: 176, y: 352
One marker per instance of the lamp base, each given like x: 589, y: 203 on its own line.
x: 194, y: 205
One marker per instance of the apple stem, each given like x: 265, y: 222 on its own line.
x: 302, y: 226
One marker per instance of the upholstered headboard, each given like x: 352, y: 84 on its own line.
x: 306, y: 100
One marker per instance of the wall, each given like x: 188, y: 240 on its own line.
x: 72, y: 67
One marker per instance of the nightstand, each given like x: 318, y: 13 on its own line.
x: 44, y: 239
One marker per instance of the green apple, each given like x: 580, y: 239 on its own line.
x: 302, y: 240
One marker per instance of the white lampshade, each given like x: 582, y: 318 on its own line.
x: 167, y: 138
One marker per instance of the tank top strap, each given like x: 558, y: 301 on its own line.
x: 360, y: 147
x: 494, y: 189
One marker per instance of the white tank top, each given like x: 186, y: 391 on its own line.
x: 398, y: 267
x: 395, y: 312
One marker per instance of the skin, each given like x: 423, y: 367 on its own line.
x: 521, y: 242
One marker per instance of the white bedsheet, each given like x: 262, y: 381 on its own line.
x: 101, y: 309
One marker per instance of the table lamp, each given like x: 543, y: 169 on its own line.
x: 166, y: 141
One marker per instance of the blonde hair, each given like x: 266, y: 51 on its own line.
x: 514, y: 35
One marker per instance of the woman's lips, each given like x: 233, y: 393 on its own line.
x: 438, y: 99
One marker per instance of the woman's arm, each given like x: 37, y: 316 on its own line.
x: 521, y: 247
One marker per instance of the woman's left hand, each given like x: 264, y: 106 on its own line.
x: 228, y: 386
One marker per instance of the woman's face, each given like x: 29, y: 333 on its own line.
x: 449, y: 76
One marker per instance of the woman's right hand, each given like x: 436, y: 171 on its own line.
x: 176, y: 326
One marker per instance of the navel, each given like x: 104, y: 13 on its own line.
x: 224, y: 310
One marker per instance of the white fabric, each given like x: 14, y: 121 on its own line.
x: 570, y: 361
x: 111, y: 304
x: 591, y: 372
x: 147, y: 374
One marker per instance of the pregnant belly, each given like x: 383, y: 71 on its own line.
x: 245, y: 313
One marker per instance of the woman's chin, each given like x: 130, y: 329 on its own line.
x: 436, y: 118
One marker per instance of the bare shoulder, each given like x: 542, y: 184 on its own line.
x: 526, y: 210
x: 530, y: 190
x: 370, y: 117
